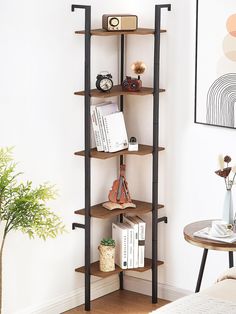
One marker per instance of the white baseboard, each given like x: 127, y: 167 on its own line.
x: 100, y: 288
x: 143, y: 286
x: 75, y: 298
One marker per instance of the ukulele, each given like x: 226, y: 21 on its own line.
x: 119, y: 192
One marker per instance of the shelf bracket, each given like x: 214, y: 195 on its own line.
x: 76, y: 225
x: 162, y: 219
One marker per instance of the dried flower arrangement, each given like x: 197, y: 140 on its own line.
x: 138, y: 67
x: 225, y: 172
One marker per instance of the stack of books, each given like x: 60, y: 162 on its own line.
x: 109, y: 127
x: 129, y: 237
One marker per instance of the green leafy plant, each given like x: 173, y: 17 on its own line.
x: 108, y: 242
x: 23, y: 207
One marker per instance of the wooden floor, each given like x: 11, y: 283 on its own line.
x: 120, y: 302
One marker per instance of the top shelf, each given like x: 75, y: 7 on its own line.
x: 138, y: 31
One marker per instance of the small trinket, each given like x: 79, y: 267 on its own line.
x: 133, y: 144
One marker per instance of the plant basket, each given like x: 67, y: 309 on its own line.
x: 106, y: 258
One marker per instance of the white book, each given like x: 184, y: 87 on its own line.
x: 141, y: 240
x: 134, y: 224
x: 130, y: 245
x: 102, y: 110
x: 115, y: 130
x: 119, y: 234
x: 96, y: 130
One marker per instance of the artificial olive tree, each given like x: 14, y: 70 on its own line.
x: 23, y: 207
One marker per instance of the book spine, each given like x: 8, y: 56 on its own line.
x: 102, y: 130
x: 141, y: 237
x: 130, y: 248
x: 136, y: 262
x: 141, y: 253
x: 106, y: 133
x: 96, y: 130
x: 124, y: 261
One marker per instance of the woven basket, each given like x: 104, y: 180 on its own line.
x: 107, y: 258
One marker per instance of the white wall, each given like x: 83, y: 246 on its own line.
x: 41, y: 62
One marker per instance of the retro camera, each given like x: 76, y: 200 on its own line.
x: 131, y: 84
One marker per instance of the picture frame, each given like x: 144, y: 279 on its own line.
x: 215, y: 63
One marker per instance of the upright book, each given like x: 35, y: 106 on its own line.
x: 134, y: 224
x: 115, y: 131
x: 120, y: 235
x: 141, y: 240
x: 102, y: 110
x: 130, y: 245
x: 96, y: 129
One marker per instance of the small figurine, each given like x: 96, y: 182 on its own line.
x: 133, y: 144
x: 119, y: 196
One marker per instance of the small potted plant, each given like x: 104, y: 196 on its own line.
x: 107, y: 255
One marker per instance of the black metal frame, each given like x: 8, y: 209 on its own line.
x: 156, y: 86
x: 122, y: 60
x: 202, y: 267
x: 196, y: 75
x: 87, y: 165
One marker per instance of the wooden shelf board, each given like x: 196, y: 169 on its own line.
x: 98, y: 211
x: 95, y: 271
x: 103, y: 32
x: 117, y: 91
x: 143, y: 150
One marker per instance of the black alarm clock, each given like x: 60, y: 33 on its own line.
x: 104, y: 82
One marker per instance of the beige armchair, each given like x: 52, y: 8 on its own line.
x: 220, y: 298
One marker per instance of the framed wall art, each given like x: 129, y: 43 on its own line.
x: 215, y: 63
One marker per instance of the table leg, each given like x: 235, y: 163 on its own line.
x: 201, y: 270
x: 231, y: 259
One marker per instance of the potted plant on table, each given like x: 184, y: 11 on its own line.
x: 107, y: 255
x: 23, y: 207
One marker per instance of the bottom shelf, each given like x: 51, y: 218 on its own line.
x: 95, y: 271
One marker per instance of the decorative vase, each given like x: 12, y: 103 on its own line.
x: 107, y: 258
x: 228, y: 212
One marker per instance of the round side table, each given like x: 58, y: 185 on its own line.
x: 206, y: 244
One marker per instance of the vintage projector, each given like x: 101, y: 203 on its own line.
x: 119, y: 22
x: 133, y: 84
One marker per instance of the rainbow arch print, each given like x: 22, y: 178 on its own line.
x: 215, y: 80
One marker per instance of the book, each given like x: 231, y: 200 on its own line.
x: 115, y: 131
x: 130, y: 245
x: 204, y: 233
x: 120, y: 235
x: 141, y: 240
x: 134, y: 225
x: 96, y: 129
x: 102, y: 110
